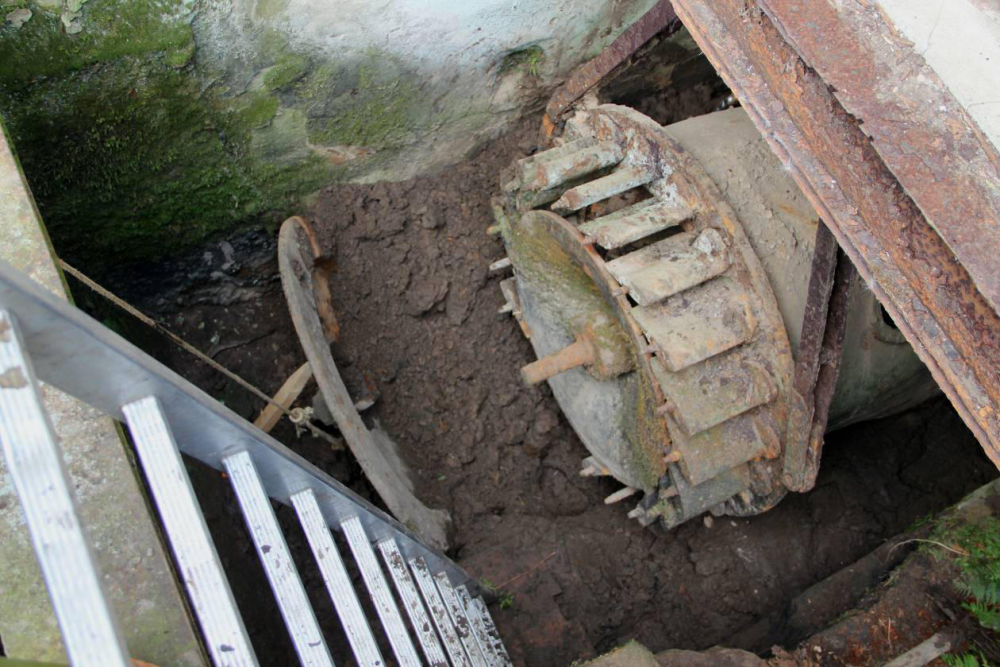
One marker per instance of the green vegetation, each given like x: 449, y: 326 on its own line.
x: 975, y: 546
x: 980, y: 567
x: 506, y: 598
x: 112, y: 29
x: 375, y: 110
x: 289, y: 68
x: 528, y: 60
x: 966, y: 660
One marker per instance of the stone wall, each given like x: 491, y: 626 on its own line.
x: 149, y: 125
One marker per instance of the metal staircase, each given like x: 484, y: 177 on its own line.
x: 44, y: 339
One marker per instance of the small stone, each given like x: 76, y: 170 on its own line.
x: 71, y: 22
x: 429, y: 220
x: 75, y: 5
x: 546, y: 421
x: 708, y: 521
x: 19, y: 17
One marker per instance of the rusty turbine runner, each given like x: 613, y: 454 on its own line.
x: 690, y: 312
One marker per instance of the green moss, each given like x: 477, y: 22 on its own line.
x: 289, y: 68
x: 182, y: 56
x: 129, y: 154
x: 561, y: 283
x: 251, y: 111
x: 319, y: 81
x: 129, y: 160
x: 131, y: 177
x: 527, y: 60
x: 112, y: 29
x: 646, y: 432
x: 378, y: 111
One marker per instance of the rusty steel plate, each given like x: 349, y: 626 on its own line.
x: 935, y: 288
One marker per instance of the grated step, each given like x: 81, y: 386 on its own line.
x: 378, y: 589
x: 414, y: 606
x: 78, y: 355
x: 478, y: 627
x: 439, y: 613
x: 338, y: 582
x: 89, y: 628
x: 191, y: 543
x: 672, y: 265
x: 277, y: 561
x: 492, y: 635
x: 634, y: 223
x: 461, y: 620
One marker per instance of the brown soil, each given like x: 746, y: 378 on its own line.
x: 418, y: 311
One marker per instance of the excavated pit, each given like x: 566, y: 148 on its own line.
x: 418, y: 314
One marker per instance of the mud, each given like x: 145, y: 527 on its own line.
x: 418, y: 313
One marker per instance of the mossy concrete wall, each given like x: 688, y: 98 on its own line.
x: 148, y: 125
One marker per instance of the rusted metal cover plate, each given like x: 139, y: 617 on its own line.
x: 919, y: 129
x: 909, y: 267
x: 691, y: 259
x: 698, y: 498
x: 634, y: 223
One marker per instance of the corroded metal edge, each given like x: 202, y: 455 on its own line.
x: 829, y: 368
x: 590, y: 73
x: 817, y: 362
x: 910, y: 268
x: 802, y: 410
x: 920, y: 130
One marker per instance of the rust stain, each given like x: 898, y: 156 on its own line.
x: 817, y: 365
x: 5, y: 330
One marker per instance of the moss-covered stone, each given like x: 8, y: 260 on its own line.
x: 289, y: 68
x: 112, y: 29
x: 375, y: 104
x: 132, y: 153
